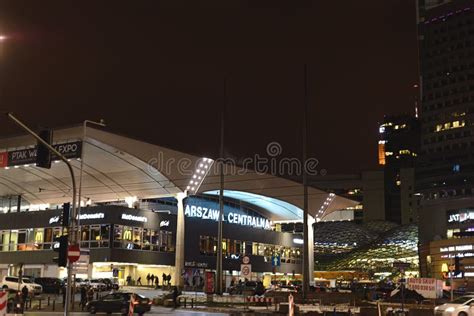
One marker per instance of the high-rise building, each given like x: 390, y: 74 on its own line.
x: 445, y: 166
x: 398, y: 149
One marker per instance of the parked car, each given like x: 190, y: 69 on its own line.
x: 459, y: 307
x: 98, y: 285
x: 13, y: 282
x: 50, y: 285
x: 119, y: 302
x: 111, y: 285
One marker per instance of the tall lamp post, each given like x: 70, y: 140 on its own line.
x: 84, y: 134
x: 72, y: 216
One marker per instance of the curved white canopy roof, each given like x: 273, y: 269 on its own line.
x: 118, y: 167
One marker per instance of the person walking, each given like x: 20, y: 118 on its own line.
x: 148, y: 278
x: 164, y: 279
x: 169, y: 279
x: 157, y: 282
x: 139, y: 281
x: 83, y: 297
x: 24, y: 293
x: 90, y: 294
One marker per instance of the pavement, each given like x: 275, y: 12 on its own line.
x: 155, y: 310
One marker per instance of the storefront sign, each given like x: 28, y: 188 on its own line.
x: 194, y: 264
x: 28, y: 155
x: 460, y: 216
x: 233, y: 218
x: 456, y: 248
x: 134, y: 218
x: 54, y: 219
x: 91, y: 216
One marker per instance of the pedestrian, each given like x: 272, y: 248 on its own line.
x: 169, y: 279
x: 148, y: 278
x: 139, y: 281
x: 157, y: 282
x: 24, y: 293
x: 164, y: 278
x: 175, y: 296
x: 90, y: 294
x: 152, y: 279
x: 129, y: 280
x: 64, y: 295
x: 83, y: 297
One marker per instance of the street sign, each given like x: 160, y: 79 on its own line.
x: 276, y: 261
x: 245, y: 260
x: 73, y: 253
x: 246, y: 270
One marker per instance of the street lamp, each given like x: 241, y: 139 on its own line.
x: 84, y: 134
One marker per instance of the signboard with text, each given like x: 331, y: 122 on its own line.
x: 28, y: 155
x: 428, y: 287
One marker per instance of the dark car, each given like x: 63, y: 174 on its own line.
x: 119, y: 302
x: 248, y: 288
x: 50, y: 285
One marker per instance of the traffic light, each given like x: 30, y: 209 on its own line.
x: 43, y: 155
x: 61, y: 246
x: 64, y: 217
x: 457, y: 265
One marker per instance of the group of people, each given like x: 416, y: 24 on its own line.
x: 87, y: 295
x: 152, y: 279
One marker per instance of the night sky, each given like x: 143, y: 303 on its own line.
x: 155, y: 71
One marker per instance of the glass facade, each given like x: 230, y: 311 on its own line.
x: 136, y: 238
x: 92, y: 236
x: 208, y: 246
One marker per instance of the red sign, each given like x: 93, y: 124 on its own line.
x: 73, y: 253
x: 3, y: 159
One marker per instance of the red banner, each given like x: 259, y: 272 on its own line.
x: 3, y: 159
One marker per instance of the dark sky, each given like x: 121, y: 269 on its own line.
x: 155, y: 70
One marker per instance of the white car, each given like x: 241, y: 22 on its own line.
x: 13, y: 282
x: 97, y: 285
x: 463, y: 306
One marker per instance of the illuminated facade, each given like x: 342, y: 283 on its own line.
x: 373, y: 247
x: 445, y: 168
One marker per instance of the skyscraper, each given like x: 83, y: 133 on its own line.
x: 445, y: 166
x: 398, y: 149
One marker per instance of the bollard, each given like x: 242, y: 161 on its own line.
x: 39, y: 304
x: 192, y: 303
x: 31, y: 302
x: 54, y: 305
x: 97, y: 296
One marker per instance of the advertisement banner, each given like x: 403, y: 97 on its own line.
x: 210, y: 282
x: 428, y: 287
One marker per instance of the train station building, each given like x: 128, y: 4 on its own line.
x: 147, y: 209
